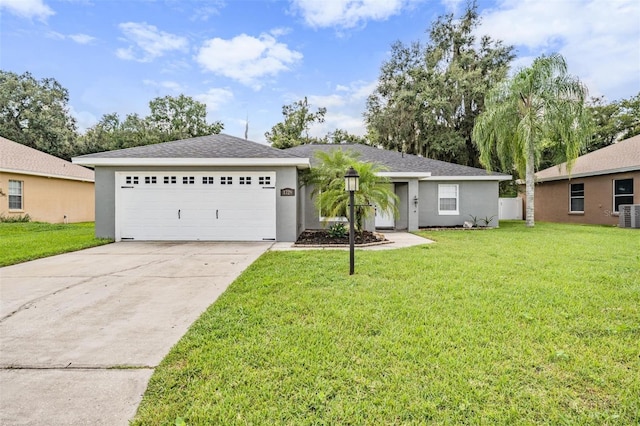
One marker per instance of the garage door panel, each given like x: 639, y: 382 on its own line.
x: 197, y: 206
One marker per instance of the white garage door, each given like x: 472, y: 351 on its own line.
x: 215, y: 206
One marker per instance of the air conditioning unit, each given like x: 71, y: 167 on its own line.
x: 629, y: 216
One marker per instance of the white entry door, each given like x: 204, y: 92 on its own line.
x: 189, y: 206
x: 384, y: 220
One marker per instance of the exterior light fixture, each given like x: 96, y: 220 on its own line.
x: 415, y: 201
x: 351, y: 184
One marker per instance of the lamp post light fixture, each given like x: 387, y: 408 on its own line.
x: 351, y: 183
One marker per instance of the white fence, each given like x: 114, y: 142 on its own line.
x: 510, y: 208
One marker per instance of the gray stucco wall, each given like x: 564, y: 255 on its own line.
x: 477, y: 198
x: 286, y: 207
x: 105, y: 203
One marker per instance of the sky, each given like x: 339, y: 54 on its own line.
x: 247, y: 58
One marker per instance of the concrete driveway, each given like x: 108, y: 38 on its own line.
x: 81, y: 333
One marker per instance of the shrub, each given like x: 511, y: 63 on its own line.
x: 15, y: 219
x: 338, y: 230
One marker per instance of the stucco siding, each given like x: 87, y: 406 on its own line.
x: 476, y: 198
x: 286, y: 206
x: 552, y: 199
x: 48, y: 199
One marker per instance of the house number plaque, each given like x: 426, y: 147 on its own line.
x: 287, y: 192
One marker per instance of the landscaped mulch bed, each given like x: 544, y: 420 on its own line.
x: 322, y: 238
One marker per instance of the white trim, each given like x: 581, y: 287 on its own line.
x: 613, y: 192
x: 571, y: 197
x: 588, y: 174
x: 452, y: 178
x: 48, y: 175
x: 302, y: 163
x: 455, y: 212
x: 417, y: 175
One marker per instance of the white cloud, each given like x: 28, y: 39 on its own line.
x: 215, y: 98
x: 27, y: 8
x: 169, y: 85
x: 78, y: 38
x: 84, y: 119
x: 600, y: 39
x: 346, y: 13
x: 344, y: 108
x: 147, y: 42
x: 247, y: 59
x: 81, y: 38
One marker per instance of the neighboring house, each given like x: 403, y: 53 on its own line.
x: 47, y: 188
x: 220, y: 187
x: 599, y: 182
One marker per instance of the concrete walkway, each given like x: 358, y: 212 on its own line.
x: 81, y: 333
x: 397, y: 239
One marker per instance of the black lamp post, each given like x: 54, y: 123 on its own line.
x: 351, y: 181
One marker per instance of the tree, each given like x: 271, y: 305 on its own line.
x: 181, y: 117
x: 171, y: 118
x: 340, y: 136
x: 333, y: 200
x: 294, y: 129
x: 615, y: 121
x: 428, y: 97
x: 36, y: 113
x: 541, y: 107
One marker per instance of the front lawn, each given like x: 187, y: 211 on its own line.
x: 20, y: 242
x: 504, y: 326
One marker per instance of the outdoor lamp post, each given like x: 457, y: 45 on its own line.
x: 351, y: 180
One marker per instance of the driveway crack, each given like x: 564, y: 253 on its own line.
x: 31, y: 302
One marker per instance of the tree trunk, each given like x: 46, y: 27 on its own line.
x: 530, y: 187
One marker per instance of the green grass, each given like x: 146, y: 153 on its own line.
x: 20, y: 242
x: 505, y: 326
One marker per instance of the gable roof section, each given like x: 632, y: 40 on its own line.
x: 212, y: 150
x: 620, y: 157
x: 402, y: 165
x: 18, y: 158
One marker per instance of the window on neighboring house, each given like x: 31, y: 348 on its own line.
x: 576, y: 199
x: 15, y: 195
x: 448, y: 199
x: 622, y: 193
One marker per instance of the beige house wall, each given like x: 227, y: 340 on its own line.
x: 47, y: 199
x: 552, y: 199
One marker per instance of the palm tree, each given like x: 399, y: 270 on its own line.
x: 540, y: 108
x: 333, y: 200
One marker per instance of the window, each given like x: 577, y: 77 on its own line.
x: 228, y: 180
x: 188, y: 180
x: 207, y: 180
x: 245, y: 180
x: 576, y: 199
x: 264, y: 180
x: 15, y: 195
x: 622, y: 193
x: 132, y: 180
x: 149, y: 179
x: 169, y: 179
x: 448, y: 199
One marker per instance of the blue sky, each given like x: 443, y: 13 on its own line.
x: 248, y: 58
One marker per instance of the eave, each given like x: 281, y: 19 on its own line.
x: 300, y: 163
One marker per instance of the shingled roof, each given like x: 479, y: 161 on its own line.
x: 18, y: 158
x: 212, y: 146
x: 397, y: 162
x: 620, y: 157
